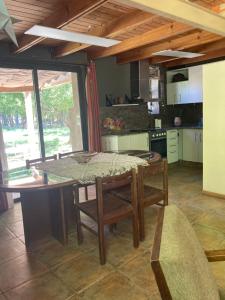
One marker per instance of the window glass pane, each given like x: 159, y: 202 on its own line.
x: 19, y: 135
x: 60, y: 111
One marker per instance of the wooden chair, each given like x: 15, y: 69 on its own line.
x: 107, y: 209
x: 178, y: 261
x: 148, y: 194
x: 33, y: 162
x: 85, y: 186
x: 66, y: 154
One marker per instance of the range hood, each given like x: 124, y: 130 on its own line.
x: 141, y: 81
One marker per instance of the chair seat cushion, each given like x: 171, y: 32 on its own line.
x: 112, y: 207
x: 183, y: 261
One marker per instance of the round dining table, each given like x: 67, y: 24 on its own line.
x: 46, y: 190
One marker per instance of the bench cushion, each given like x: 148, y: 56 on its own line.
x: 183, y: 261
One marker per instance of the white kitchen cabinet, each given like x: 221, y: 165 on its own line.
x: 195, y: 84
x: 138, y: 141
x: 188, y: 91
x: 172, y: 146
x: 178, y: 92
x: 192, y: 145
x: 180, y: 144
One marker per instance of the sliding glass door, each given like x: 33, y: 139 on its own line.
x: 39, y: 115
x: 60, y: 109
x: 19, y: 134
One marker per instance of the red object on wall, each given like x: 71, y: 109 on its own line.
x: 94, y: 131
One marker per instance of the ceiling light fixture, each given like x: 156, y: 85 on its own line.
x: 177, y: 53
x: 68, y: 36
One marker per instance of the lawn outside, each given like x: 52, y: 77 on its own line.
x: 17, y: 144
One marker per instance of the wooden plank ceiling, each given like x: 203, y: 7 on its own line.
x: 141, y: 33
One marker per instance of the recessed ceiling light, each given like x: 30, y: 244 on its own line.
x: 177, y: 53
x: 68, y: 36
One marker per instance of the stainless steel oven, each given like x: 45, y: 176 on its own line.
x: 157, y: 141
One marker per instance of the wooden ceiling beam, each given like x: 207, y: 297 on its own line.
x: 220, y: 53
x: 182, y: 11
x: 65, y: 13
x: 161, y: 33
x: 178, y: 43
x: 111, y: 30
x: 205, y: 48
x: 209, y: 50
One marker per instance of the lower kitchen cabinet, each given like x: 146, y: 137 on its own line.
x: 139, y: 141
x: 172, y: 146
x: 192, y: 145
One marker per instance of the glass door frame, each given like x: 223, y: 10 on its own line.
x: 81, y: 75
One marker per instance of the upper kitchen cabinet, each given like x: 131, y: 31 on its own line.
x: 184, y: 86
x: 195, y: 84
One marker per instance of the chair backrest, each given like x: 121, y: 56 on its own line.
x: 179, y: 263
x: 151, y: 170
x: 61, y: 155
x: 32, y: 162
x: 104, y: 184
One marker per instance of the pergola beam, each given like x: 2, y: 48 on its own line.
x: 65, y: 13
x: 182, y: 11
x: 111, y: 30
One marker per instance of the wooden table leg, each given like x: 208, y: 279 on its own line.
x: 47, y: 213
x: 36, y: 216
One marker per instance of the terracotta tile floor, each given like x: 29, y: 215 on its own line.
x: 52, y: 271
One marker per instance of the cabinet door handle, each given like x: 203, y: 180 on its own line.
x: 180, y: 98
x: 195, y: 137
x: 200, y: 137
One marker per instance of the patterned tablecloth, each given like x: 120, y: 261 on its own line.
x: 100, y: 165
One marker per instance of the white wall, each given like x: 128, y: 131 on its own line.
x: 214, y: 127
x: 112, y: 78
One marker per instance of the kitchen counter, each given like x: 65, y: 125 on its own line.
x: 184, y: 127
x: 132, y: 131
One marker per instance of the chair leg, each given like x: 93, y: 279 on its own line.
x: 112, y: 227
x: 77, y: 215
x: 141, y: 223
x: 135, y: 230
x: 86, y: 192
x: 78, y: 226
x: 101, y: 241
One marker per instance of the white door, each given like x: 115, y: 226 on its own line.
x: 139, y: 141
x: 190, y: 146
x: 196, y: 86
x: 124, y: 142
x: 200, y: 145
x: 183, y: 92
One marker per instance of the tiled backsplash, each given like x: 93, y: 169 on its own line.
x: 134, y: 116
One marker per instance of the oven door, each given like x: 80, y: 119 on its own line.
x: 159, y: 146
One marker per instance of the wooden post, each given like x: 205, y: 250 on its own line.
x: 73, y: 121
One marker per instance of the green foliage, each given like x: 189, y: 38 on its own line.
x: 12, y: 104
x: 56, y: 101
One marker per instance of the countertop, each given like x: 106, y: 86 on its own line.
x: 128, y: 131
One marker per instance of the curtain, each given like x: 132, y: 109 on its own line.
x: 94, y: 131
